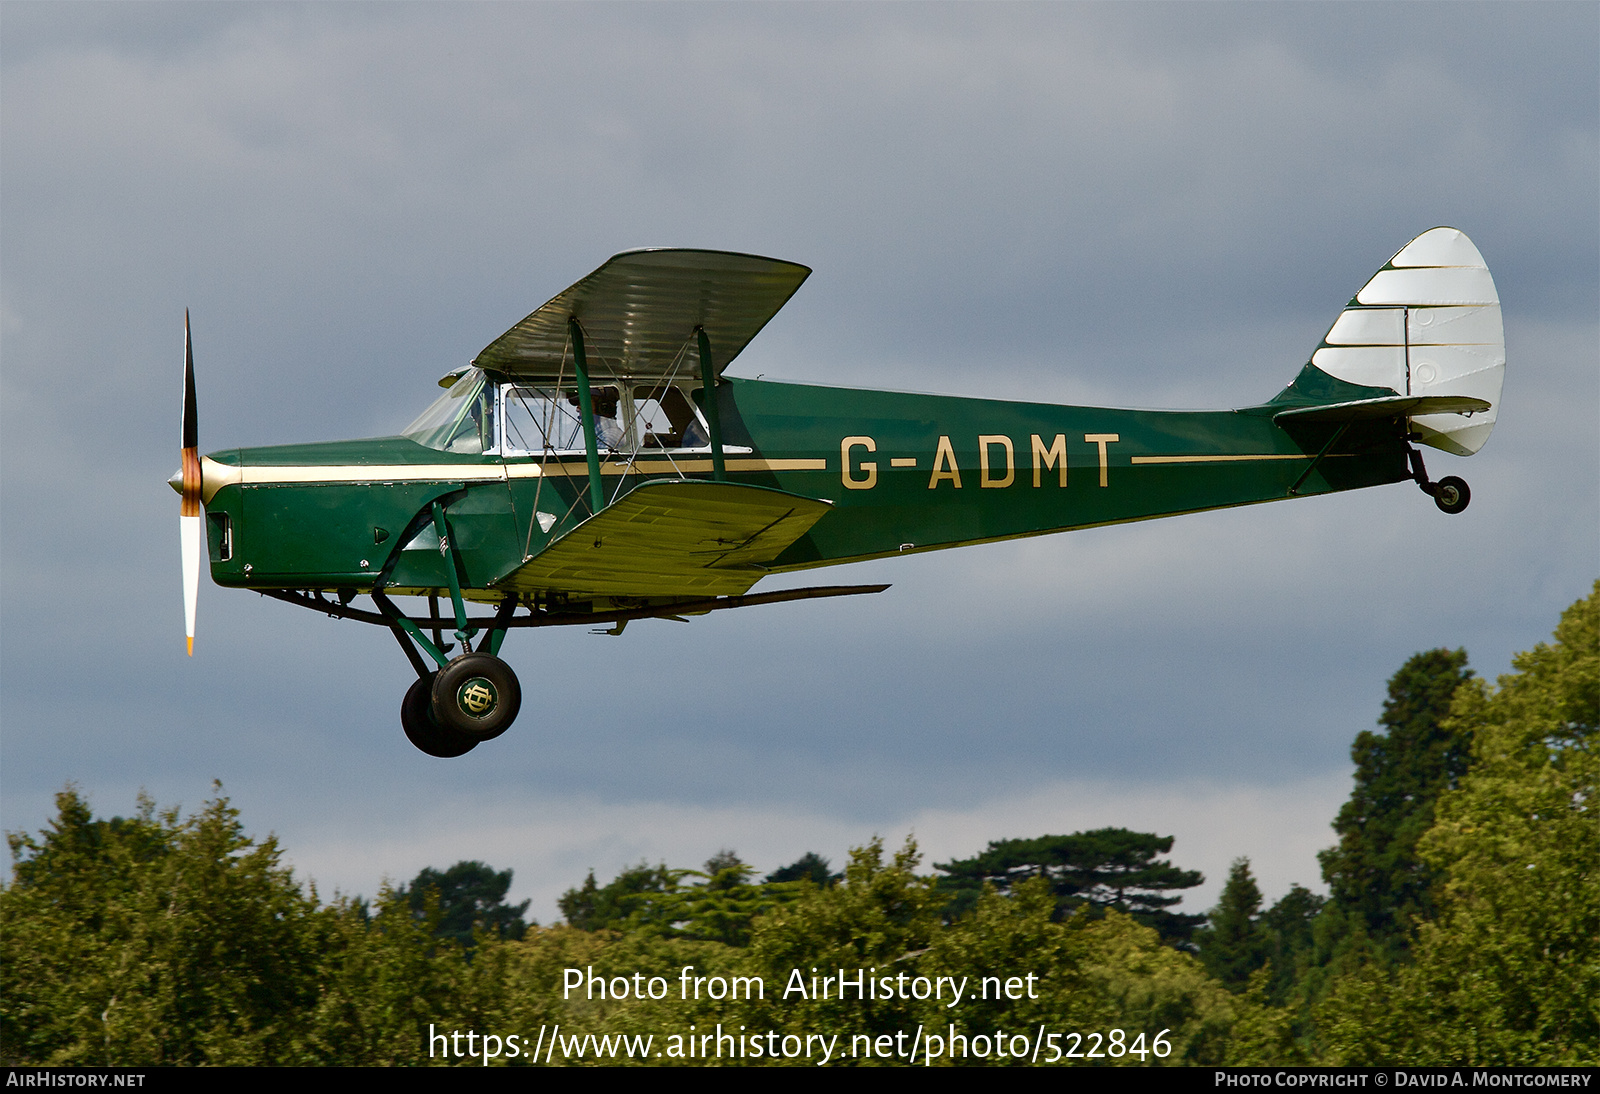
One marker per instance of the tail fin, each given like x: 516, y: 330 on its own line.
x: 1426, y: 325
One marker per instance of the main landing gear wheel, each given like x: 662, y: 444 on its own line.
x: 1451, y: 494
x: 476, y: 696
x: 416, y: 717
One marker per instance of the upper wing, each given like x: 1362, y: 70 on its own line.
x: 641, y: 308
x: 678, y: 537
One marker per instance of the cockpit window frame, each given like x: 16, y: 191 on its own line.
x: 470, y: 418
x: 631, y: 441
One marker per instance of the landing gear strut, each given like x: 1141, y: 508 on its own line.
x: 1450, y: 494
x: 473, y: 697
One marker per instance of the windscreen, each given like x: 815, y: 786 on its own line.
x: 460, y: 420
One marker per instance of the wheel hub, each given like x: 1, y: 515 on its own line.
x: 478, y: 697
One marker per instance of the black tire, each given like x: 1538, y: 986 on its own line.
x: 416, y: 718
x: 1451, y: 495
x: 477, y: 696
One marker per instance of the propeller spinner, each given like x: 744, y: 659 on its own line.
x: 189, y: 512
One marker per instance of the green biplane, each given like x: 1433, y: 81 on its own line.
x: 595, y: 464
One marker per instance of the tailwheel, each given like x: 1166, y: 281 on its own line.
x: 1450, y: 494
x: 476, y: 696
x: 422, y: 730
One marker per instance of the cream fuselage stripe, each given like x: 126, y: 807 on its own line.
x: 1222, y: 459
x: 658, y: 466
x: 217, y: 475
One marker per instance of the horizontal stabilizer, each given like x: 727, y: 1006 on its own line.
x: 639, y: 312
x: 676, y: 537
x: 1376, y: 409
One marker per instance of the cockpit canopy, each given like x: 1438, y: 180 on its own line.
x: 479, y: 415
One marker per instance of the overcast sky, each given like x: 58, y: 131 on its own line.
x: 1124, y: 204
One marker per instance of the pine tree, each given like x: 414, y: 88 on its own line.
x: 810, y: 867
x: 1105, y: 868
x: 1232, y: 943
x: 1289, y: 931
x: 1380, y: 886
x: 471, y: 896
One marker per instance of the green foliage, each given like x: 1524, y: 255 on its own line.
x: 159, y: 940
x: 810, y: 867
x: 1011, y: 936
x: 154, y: 940
x: 726, y: 859
x: 1233, y: 943
x: 1509, y: 970
x: 723, y: 907
x: 1288, y: 929
x: 533, y: 975
x: 882, y: 913
x: 382, y: 980
x: 642, y: 897
x: 720, y: 907
x: 1105, y: 868
x: 1381, y: 887
x: 1081, y: 972
x: 471, y: 897
x: 1150, y: 986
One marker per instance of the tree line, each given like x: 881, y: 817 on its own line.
x: 1461, y: 924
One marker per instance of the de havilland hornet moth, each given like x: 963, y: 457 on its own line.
x: 594, y: 464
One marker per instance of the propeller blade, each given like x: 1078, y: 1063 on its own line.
x: 189, y: 507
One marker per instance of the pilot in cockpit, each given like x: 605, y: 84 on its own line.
x: 607, y: 430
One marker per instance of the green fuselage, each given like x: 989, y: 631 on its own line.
x: 903, y: 472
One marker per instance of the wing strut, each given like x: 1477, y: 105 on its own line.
x: 591, y: 445
x: 708, y: 387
